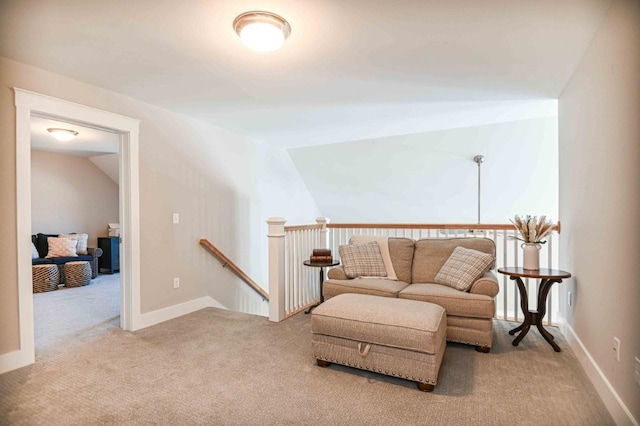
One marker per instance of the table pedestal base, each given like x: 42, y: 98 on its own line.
x: 308, y: 311
x: 534, y: 317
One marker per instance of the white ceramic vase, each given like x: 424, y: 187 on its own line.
x: 531, y: 259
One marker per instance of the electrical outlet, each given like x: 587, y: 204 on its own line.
x: 176, y: 218
x: 176, y: 282
x: 569, y: 298
x: 636, y: 373
x: 616, y: 348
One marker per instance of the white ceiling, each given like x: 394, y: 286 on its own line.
x: 89, y: 142
x: 350, y: 69
x: 99, y: 146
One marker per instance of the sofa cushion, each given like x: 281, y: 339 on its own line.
x: 63, y: 260
x: 401, y: 252
x: 431, y: 253
x: 373, y: 286
x: 463, y: 268
x: 455, y: 302
x: 41, y: 261
x: 61, y: 247
x: 360, y: 260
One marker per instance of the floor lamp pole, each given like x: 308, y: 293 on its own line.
x: 479, y: 159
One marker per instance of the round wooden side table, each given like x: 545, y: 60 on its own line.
x: 548, y: 277
x: 320, y: 265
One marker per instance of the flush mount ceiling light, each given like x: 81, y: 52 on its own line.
x: 63, y: 134
x: 262, y: 31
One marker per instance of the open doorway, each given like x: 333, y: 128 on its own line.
x: 74, y: 196
x: 29, y: 106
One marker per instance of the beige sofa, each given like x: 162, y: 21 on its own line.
x: 416, y: 263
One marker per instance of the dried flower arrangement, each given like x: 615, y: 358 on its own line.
x: 532, y: 229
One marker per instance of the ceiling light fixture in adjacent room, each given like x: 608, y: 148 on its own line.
x: 262, y: 31
x: 64, y: 135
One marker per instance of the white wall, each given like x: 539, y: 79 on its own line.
x: 599, y: 125
x: 109, y: 164
x: 432, y: 178
x: 71, y: 194
x: 223, y: 185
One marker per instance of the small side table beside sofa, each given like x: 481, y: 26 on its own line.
x: 548, y: 277
x: 320, y: 265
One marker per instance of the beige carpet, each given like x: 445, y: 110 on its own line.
x: 68, y: 314
x: 220, y: 367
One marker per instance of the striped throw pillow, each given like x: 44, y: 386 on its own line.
x: 362, y: 260
x: 463, y: 268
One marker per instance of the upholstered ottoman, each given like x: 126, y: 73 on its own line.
x: 397, y: 337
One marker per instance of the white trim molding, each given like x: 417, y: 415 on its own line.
x: 13, y: 360
x: 33, y: 104
x: 617, y: 408
x: 175, y: 311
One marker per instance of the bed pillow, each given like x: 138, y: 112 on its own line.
x: 62, y: 247
x: 463, y: 268
x: 362, y: 260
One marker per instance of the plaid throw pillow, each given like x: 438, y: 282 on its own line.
x: 463, y: 268
x: 362, y: 260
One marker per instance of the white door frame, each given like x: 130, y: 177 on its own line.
x: 27, y: 104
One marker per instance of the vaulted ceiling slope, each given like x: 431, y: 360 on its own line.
x: 349, y: 70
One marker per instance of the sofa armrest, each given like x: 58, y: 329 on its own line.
x: 94, y: 252
x: 487, y: 285
x: 337, y: 273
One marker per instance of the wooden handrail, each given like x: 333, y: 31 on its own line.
x: 234, y: 268
x: 301, y: 227
x: 499, y: 226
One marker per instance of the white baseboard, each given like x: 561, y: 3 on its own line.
x: 617, y: 408
x: 16, y: 359
x: 175, y: 311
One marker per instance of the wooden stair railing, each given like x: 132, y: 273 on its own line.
x: 234, y: 268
